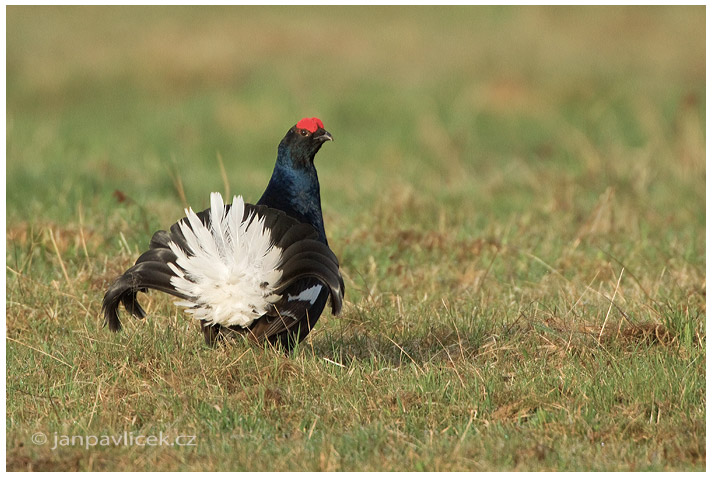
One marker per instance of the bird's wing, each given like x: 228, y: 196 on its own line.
x: 310, y: 275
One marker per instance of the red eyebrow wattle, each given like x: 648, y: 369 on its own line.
x: 310, y: 124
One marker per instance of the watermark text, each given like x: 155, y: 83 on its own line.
x: 125, y: 439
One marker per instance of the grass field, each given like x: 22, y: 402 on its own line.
x: 516, y: 195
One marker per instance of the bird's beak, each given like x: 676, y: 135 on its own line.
x: 326, y: 136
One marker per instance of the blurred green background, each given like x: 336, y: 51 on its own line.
x: 452, y: 102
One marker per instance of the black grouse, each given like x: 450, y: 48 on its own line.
x: 263, y: 270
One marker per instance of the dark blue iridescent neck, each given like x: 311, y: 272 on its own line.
x: 294, y: 189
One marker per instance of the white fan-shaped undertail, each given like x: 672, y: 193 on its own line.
x: 230, y: 268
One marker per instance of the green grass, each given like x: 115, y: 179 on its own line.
x: 516, y: 195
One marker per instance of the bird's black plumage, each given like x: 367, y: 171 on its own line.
x: 291, y: 210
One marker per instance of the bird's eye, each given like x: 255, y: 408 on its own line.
x: 304, y: 132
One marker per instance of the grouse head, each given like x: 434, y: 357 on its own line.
x: 303, y: 141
